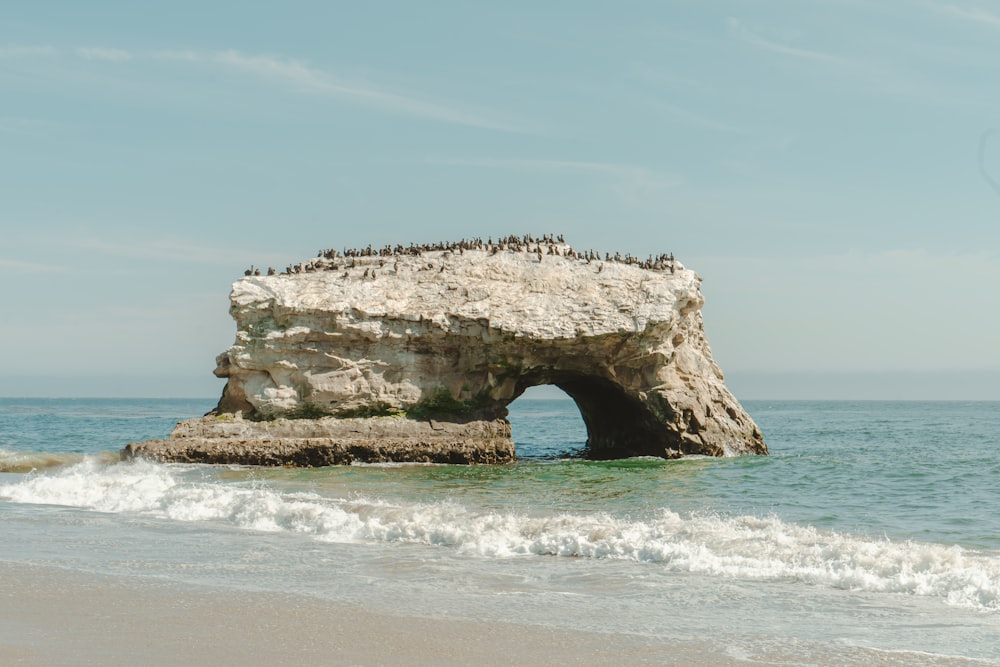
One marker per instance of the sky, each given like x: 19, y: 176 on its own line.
x: 831, y: 168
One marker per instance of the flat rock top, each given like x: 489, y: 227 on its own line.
x: 515, y: 291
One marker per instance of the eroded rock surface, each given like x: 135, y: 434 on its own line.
x: 455, y: 336
x: 329, y: 441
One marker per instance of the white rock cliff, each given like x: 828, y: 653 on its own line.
x: 453, y: 336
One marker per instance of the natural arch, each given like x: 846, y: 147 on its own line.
x: 415, y: 354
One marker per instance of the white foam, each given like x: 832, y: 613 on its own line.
x: 744, y: 547
x: 93, y: 485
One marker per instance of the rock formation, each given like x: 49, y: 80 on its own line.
x: 329, y: 441
x: 416, y: 355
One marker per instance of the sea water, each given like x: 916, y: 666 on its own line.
x: 872, y: 526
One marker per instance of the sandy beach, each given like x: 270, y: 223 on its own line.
x: 51, y: 617
x: 54, y: 617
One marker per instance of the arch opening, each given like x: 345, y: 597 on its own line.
x: 618, y: 425
x: 546, y: 424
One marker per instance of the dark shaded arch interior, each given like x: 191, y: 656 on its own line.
x: 618, y: 425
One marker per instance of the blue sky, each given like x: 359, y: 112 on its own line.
x: 827, y: 166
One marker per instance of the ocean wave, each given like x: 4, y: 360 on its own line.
x: 25, y: 462
x: 743, y: 547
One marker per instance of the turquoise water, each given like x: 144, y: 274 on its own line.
x: 871, y: 525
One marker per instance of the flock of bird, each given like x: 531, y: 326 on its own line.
x: 546, y: 245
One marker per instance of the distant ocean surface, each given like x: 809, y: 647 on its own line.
x: 872, y: 526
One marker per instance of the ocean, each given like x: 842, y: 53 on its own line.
x: 870, y: 535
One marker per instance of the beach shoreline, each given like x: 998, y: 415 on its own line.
x: 51, y: 616
x: 719, y: 562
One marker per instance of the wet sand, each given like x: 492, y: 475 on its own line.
x: 51, y: 617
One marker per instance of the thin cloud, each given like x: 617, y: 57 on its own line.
x: 295, y: 74
x: 23, y: 125
x: 697, y: 120
x: 114, y: 55
x: 983, y: 171
x: 883, y: 78
x: 517, y: 163
x: 166, y: 250
x: 300, y: 76
x: 967, y: 267
x: 29, y: 267
x: 656, y: 75
x: 667, y: 79
x: 974, y: 15
x: 14, y: 51
x: 181, y: 56
x: 632, y: 184
x: 752, y: 38
x: 981, y: 268
x: 542, y: 165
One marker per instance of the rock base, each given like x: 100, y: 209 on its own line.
x: 329, y: 441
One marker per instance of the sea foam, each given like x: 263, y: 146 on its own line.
x: 742, y: 547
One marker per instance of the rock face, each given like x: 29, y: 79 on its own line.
x: 454, y: 336
x: 329, y: 441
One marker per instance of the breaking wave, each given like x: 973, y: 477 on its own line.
x: 747, y: 547
x: 24, y: 462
